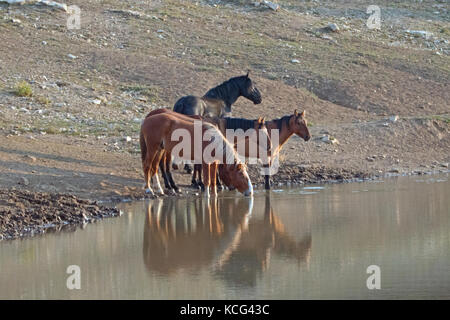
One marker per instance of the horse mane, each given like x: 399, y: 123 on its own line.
x: 227, y: 91
x: 279, y: 122
x: 228, y: 149
x: 239, y: 123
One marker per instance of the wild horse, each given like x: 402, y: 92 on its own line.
x: 227, y: 92
x: 287, y: 126
x: 255, y: 144
x: 156, y: 139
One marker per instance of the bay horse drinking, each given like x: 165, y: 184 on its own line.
x: 156, y: 138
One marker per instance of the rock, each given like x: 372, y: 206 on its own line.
x: 24, y: 181
x: 295, y: 61
x: 71, y: 56
x: 271, y: 5
x: 329, y: 139
x: 95, y: 101
x: 394, y: 170
x: 31, y: 158
x: 127, y: 139
x: 17, y: 21
x: 424, y: 34
x: 444, y: 165
x: 393, y: 119
x: 256, y: 3
x: 333, y: 27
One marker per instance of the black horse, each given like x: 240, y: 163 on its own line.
x: 228, y: 92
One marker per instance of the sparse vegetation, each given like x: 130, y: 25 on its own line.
x: 23, y: 89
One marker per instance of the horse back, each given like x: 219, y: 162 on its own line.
x: 189, y: 105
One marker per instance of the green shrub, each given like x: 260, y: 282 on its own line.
x: 23, y: 89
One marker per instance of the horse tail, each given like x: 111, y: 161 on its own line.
x: 143, y: 146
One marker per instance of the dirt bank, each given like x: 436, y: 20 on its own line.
x: 25, y: 213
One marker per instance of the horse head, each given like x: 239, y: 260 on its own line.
x: 235, y: 176
x: 249, y: 90
x: 299, y: 125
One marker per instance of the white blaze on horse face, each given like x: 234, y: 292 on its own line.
x: 181, y: 150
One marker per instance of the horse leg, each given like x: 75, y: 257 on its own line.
x: 206, y: 178
x: 194, y: 180
x: 266, y: 179
x: 218, y: 184
x: 163, y: 168
x: 147, y: 167
x: 200, y: 182
x: 213, y: 178
x: 154, y: 170
x: 187, y: 168
x: 169, y: 173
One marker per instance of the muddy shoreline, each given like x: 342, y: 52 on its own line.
x: 25, y: 213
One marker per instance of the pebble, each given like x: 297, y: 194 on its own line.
x: 24, y: 181
x: 333, y: 27
x: 71, y: 56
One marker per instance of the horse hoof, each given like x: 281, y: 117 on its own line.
x: 219, y: 188
x: 202, y: 186
x: 149, y: 192
x: 195, y: 185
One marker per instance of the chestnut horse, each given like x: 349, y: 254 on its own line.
x: 287, y: 126
x: 223, y: 124
x: 156, y: 138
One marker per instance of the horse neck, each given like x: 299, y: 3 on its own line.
x: 227, y: 91
x: 284, y: 134
x: 228, y: 152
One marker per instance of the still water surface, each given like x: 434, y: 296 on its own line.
x: 310, y: 242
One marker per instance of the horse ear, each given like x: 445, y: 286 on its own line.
x: 248, y: 72
x: 303, y: 114
x: 239, y: 166
x: 295, y: 113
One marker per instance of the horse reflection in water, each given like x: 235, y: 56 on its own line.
x: 221, y: 234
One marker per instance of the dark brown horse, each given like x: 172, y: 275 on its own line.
x: 228, y: 92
